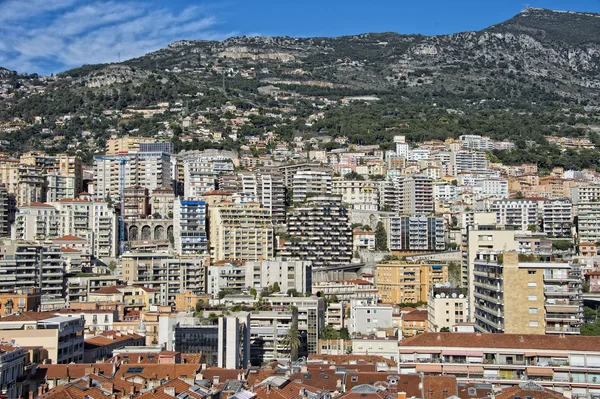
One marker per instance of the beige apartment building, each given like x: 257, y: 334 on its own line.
x: 116, y: 145
x: 240, y: 232
x: 405, y: 282
x: 532, y: 298
x: 446, y: 308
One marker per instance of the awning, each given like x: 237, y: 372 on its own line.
x: 456, y: 370
x: 475, y: 354
x: 546, y: 354
x: 429, y: 368
x: 476, y: 370
x: 407, y: 351
x: 454, y: 353
x: 428, y: 351
x: 540, y: 372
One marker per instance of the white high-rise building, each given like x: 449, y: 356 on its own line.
x: 415, y: 195
x: 307, y: 183
x: 150, y: 170
x: 289, y: 274
x: 521, y: 213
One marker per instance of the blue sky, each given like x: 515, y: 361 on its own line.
x: 49, y: 36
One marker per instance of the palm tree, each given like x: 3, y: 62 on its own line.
x: 291, y: 341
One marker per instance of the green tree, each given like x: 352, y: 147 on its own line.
x: 253, y: 292
x: 291, y: 341
x: 380, y: 238
x: 112, y: 265
x: 276, y: 287
x: 444, y: 329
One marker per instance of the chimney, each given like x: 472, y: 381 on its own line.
x: 401, y: 395
x: 88, y: 370
x: 132, y: 390
x: 31, y: 393
x: 170, y: 391
x: 338, y: 384
x: 199, y: 376
x: 89, y: 382
x: 40, y: 390
x: 216, y: 380
x: 268, y: 388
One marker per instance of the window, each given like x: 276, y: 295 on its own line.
x: 531, y: 272
x: 354, y: 379
x: 532, y: 285
x: 533, y: 310
x: 519, y: 358
x: 532, y: 297
x: 533, y: 324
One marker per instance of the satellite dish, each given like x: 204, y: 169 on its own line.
x: 437, y: 296
x: 461, y: 296
x: 438, y: 285
x: 443, y: 295
x: 447, y: 284
x: 454, y: 295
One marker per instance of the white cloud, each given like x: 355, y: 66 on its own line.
x: 53, y: 35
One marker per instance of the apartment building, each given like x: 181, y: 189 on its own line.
x: 288, y: 274
x: 200, y: 173
x: 310, y: 183
x: 557, y: 217
x: 19, y: 301
x: 471, y: 242
x: 61, y: 337
x: 586, y: 209
x: 135, y: 202
x: 367, y: 317
x: 289, y: 171
x: 78, y: 288
x: 357, y: 194
x: 267, y: 332
x: 496, y: 188
x: 12, y: 368
x: 468, y: 162
x: 476, y: 142
x: 266, y: 187
x: 310, y: 318
x: 150, y: 170
x: 517, y: 213
x: 189, y: 227
x: 225, y: 276
x: 129, y: 144
x: 6, y: 212
x: 26, y: 183
x: 363, y: 240
x: 566, y: 364
x: 36, y: 221
x: 134, y: 298
x: 223, y: 343
x: 95, y: 220
x: 240, y: 232
x: 414, y: 195
x: 346, y: 289
x: 446, y: 307
x: 59, y: 187
x: 163, y: 272
x: 544, y: 298
x: 319, y: 232
x: 162, y: 201
x: 415, y: 233
x: 379, y: 345
x: 404, y: 282
x: 27, y: 265
x: 414, y: 323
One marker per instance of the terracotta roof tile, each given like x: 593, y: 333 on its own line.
x: 69, y: 238
x: 512, y: 341
x: 416, y: 315
x: 158, y: 371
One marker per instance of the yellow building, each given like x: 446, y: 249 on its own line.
x: 186, y: 301
x: 133, y: 297
x: 20, y: 301
x: 116, y: 145
x: 404, y: 282
x: 240, y: 232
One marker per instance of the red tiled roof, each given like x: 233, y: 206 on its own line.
x: 511, y: 341
x: 37, y: 204
x: 69, y: 238
x: 416, y: 315
x: 28, y: 316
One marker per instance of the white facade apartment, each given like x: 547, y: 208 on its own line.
x: 310, y: 182
x: 518, y: 212
x: 557, y: 217
x: 80, y: 217
x: 469, y: 162
x: 150, y: 170
x: 366, y: 317
x: 36, y: 221
x: 494, y: 188
x: 59, y: 187
x: 444, y: 192
x: 476, y: 142
x: 289, y: 274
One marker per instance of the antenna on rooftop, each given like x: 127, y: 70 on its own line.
x: 119, y: 57
x: 527, y: 6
